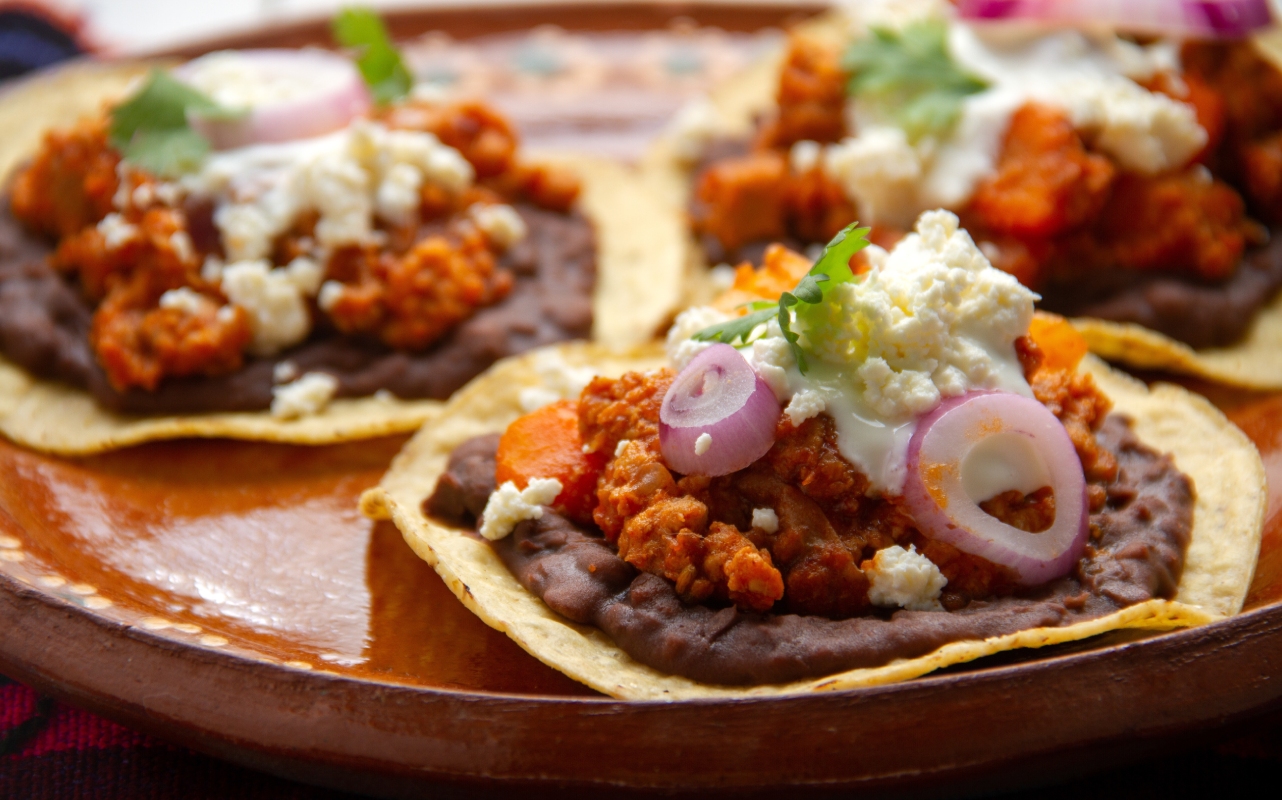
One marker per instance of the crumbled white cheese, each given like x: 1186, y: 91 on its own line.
x: 171, y: 194
x: 702, y: 444
x: 499, y: 222
x: 881, y: 171
x: 143, y: 195
x: 306, y: 274
x: 211, y: 270
x: 121, y: 199
x: 284, y: 372
x: 447, y: 167
x: 766, y: 519
x: 339, y: 188
x: 304, y: 397
x: 182, y: 246
x: 278, y: 314
x: 508, y: 505
x: 934, y: 320
x: 621, y: 446
x: 249, y: 229
x: 185, y: 299
x: 346, y: 177
x: 398, y: 197
x: 1145, y: 131
x: 1089, y: 75
x: 904, y: 578
x: 116, y: 232
x: 805, y: 404
x: 330, y: 293
x: 805, y: 155
x: 692, y: 129
x: 771, y: 356
x: 681, y: 348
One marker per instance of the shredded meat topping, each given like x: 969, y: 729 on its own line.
x: 70, y: 183
x: 759, y: 197
x: 698, y: 532
x: 1046, y: 182
x: 811, y: 96
x: 1248, y: 87
x: 411, y: 300
x: 1055, y: 208
x: 145, y: 343
x: 139, y: 343
x: 432, y: 271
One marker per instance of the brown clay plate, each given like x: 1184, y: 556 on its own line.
x: 228, y: 597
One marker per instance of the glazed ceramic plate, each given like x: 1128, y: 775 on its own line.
x: 227, y: 596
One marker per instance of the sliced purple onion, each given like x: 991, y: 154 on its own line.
x: 330, y: 94
x: 718, y: 396
x: 1223, y: 19
x: 942, y: 477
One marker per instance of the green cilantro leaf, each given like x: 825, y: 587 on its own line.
x: 835, y: 261
x: 910, y: 77
x: 377, y: 58
x: 831, y: 270
x: 170, y: 152
x: 786, y: 301
x: 737, y: 329
x: 150, y: 129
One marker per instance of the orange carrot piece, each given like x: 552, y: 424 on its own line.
x: 779, y: 273
x: 1061, y: 345
x: 546, y: 444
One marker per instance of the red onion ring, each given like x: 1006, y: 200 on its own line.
x: 1224, y: 19
x: 719, y: 395
x: 942, y: 508
x: 334, y: 95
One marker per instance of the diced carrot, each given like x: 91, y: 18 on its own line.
x: 1061, y: 345
x: 779, y: 273
x: 546, y: 444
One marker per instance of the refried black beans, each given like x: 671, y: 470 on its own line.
x: 1144, y: 530
x: 45, y: 321
x: 1198, y: 314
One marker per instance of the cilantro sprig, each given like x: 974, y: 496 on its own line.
x: 377, y: 58
x: 150, y: 129
x: 830, y: 271
x: 910, y: 77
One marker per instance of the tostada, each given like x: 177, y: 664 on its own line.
x: 294, y: 246
x: 878, y: 472
x: 1126, y: 167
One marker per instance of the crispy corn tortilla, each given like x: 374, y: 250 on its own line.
x: 1224, y: 465
x: 639, y: 274
x: 1255, y: 362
